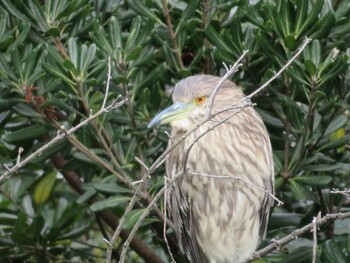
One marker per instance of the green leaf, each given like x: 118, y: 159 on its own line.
x: 335, y: 143
x: 311, y: 18
x: 186, y: 15
x: 21, y: 225
x: 109, y: 188
x: 134, y: 54
x: 140, y: 8
x: 302, y: 6
x: 134, y: 216
x: 22, y: 239
x: 75, y: 233
x: 215, y: 38
x: 53, y: 32
x: 20, y: 38
x: 37, y: 14
x: 100, y: 38
x: 14, y: 11
x: 321, y: 181
x: 283, y: 18
x: 28, y: 133
x: 69, y: 65
x: 332, y: 253
x: 336, y: 124
x: 153, y: 76
x: 115, y: 33
x: 269, y: 119
x: 337, y: 135
x: 109, y: 203
x: 34, y: 230
x: 26, y: 110
x: 296, y: 151
x: 300, y: 254
x: 325, y: 25
x: 44, y: 188
x: 310, y: 67
x: 300, y: 192
x: 86, y: 196
x: 323, y: 167
x: 290, y: 42
x: 279, y: 219
x: 5, y: 43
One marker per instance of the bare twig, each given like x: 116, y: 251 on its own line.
x: 144, y: 214
x: 314, y: 230
x: 107, y: 85
x: 345, y: 192
x: 305, y: 43
x: 229, y: 72
x: 20, y: 150
x: 297, y: 233
x: 60, y: 136
x: 113, y: 240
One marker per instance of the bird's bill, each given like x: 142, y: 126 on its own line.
x: 177, y: 111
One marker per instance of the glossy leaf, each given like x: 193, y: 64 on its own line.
x: 186, y: 15
x: 142, y: 10
x: 44, y: 188
x: 109, y: 203
x: 300, y: 192
x: 321, y: 181
x: 332, y: 253
x: 31, y: 132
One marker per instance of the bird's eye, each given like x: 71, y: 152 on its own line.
x: 200, y: 100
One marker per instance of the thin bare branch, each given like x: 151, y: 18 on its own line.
x: 297, y: 233
x: 305, y: 43
x: 228, y: 74
x: 20, y: 150
x: 314, y: 230
x: 116, y: 234
x: 345, y: 192
x: 60, y: 136
x: 107, y: 85
x: 144, y: 214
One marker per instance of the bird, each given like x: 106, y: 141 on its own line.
x: 222, y: 170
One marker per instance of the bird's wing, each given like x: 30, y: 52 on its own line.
x: 181, y: 213
x: 268, y: 200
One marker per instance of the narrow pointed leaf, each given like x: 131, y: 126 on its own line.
x: 44, y: 188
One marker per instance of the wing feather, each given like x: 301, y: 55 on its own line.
x: 181, y: 214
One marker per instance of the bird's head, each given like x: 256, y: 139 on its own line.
x: 191, y: 101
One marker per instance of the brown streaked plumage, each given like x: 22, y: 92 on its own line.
x: 217, y: 220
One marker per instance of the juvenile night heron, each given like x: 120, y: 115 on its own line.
x: 217, y: 220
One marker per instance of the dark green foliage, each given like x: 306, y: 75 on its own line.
x: 53, y: 73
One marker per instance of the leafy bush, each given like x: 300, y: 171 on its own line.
x: 53, y: 74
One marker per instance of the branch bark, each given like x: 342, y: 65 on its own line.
x: 297, y: 233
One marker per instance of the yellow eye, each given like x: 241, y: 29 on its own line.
x: 200, y: 100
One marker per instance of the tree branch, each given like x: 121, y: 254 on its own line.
x: 297, y: 233
x: 135, y: 243
x: 172, y: 34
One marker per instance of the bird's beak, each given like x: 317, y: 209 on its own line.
x: 177, y: 111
